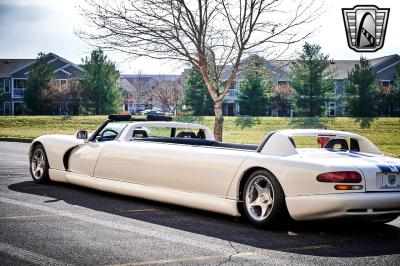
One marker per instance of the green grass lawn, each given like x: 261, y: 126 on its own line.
x: 384, y: 132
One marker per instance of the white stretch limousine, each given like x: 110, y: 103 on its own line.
x: 345, y: 175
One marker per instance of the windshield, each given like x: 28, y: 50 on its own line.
x: 111, y: 131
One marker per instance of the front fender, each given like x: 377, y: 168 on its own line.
x: 56, y: 146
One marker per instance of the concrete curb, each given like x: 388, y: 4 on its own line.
x: 23, y: 140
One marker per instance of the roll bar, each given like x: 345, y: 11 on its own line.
x: 128, y: 118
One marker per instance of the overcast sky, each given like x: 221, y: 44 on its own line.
x: 28, y: 27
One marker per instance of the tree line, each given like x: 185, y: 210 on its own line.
x: 307, y: 92
x: 95, y: 92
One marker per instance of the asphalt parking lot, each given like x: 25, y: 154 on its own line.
x: 59, y: 224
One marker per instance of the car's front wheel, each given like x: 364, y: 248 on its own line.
x: 39, y: 166
x: 264, y: 199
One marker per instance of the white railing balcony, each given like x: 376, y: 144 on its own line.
x: 18, y: 93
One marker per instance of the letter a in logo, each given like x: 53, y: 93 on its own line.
x: 365, y: 27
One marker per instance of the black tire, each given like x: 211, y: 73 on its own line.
x: 277, y: 213
x: 38, y: 159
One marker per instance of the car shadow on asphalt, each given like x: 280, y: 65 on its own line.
x: 333, y: 239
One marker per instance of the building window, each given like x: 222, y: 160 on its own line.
x: 229, y: 109
x: 6, y: 86
x: 20, y: 83
x: 19, y: 88
x: 7, y: 108
x: 237, y: 86
x: 332, y: 109
x: 18, y: 108
x: 232, y: 93
x: 63, y: 81
x: 334, y: 89
x: 386, y: 83
x: 345, y: 83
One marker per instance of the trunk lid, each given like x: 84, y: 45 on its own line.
x: 381, y: 173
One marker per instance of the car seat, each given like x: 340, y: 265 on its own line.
x: 333, y: 142
x: 139, y: 133
x: 186, y: 134
x: 201, y: 134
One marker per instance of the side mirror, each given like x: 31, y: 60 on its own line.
x: 82, y: 134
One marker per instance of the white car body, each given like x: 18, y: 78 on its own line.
x: 211, y: 178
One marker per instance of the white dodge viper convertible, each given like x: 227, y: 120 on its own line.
x: 341, y: 175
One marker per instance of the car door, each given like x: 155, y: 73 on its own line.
x: 198, y: 169
x: 83, y: 158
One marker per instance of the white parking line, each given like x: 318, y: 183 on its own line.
x: 188, y: 259
x: 28, y: 256
x: 28, y: 216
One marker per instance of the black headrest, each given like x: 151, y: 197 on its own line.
x: 140, y: 132
x: 186, y: 134
x: 201, y: 134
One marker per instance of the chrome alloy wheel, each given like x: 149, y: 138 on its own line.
x: 38, y: 164
x: 259, y: 198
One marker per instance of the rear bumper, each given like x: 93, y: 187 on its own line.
x: 372, y: 204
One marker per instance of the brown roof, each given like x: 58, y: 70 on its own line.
x: 9, y: 65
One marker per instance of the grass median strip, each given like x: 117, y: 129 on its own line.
x: 384, y: 132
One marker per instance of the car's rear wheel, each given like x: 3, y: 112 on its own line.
x: 39, y: 166
x: 264, y: 200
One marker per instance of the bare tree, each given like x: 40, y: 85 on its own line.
x: 168, y: 93
x: 63, y: 98
x: 143, y: 85
x: 281, y: 98
x: 210, y: 35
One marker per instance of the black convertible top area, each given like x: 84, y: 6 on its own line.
x: 200, y: 142
x: 183, y: 137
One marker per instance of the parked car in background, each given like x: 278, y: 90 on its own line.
x: 145, y: 111
x: 155, y: 111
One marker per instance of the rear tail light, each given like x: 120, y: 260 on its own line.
x: 340, y: 177
x: 348, y: 187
